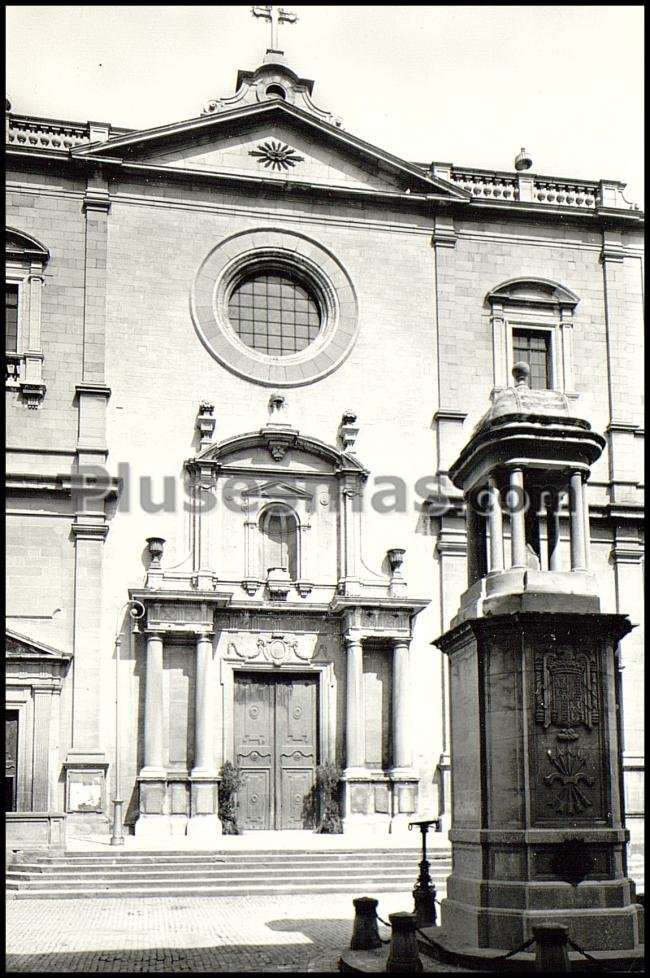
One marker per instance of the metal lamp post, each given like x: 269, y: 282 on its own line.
x: 424, y: 891
x: 136, y: 611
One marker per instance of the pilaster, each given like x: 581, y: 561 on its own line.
x: 41, y: 755
x: 624, y: 323
x: 86, y: 751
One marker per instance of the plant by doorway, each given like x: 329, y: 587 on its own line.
x: 328, y: 776
x: 229, y: 785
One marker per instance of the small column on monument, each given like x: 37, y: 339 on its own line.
x: 471, y: 530
x: 585, y: 510
x: 515, y: 505
x: 495, y: 521
x: 577, y: 522
x: 553, y: 529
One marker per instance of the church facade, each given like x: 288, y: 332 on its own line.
x: 242, y: 352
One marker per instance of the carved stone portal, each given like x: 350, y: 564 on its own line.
x: 276, y: 649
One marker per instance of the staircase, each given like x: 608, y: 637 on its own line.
x: 150, y: 874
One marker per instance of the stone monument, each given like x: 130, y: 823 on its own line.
x: 538, y: 833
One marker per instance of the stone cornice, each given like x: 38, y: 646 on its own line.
x: 100, y: 390
x: 449, y: 414
x: 554, y: 197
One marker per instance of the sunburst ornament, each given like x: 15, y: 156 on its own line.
x: 275, y: 155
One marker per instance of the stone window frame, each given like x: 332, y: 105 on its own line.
x: 248, y: 251
x: 25, y: 263
x: 533, y: 304
x: 270, y: 508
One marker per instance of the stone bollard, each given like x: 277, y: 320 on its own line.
x: 403, y: 957
x: 552, y: 952
x: 365, y: 935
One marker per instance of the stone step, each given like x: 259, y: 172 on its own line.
x: 409, y: 872
x: 231, y: 858
x: 375, y: 886
x: 217, y: 869
x: 406, y: 879
x: 257, y: 855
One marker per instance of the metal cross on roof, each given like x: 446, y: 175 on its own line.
x: 275, y: 16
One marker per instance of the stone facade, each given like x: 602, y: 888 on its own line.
x: 124, y: 246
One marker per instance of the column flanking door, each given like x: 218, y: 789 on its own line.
x: 276, y: 748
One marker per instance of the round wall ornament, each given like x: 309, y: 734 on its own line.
x: 275, y: 307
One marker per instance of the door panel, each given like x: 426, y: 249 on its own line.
x: 254, y: 751
x: 276, y: 747
x: 296, y: 749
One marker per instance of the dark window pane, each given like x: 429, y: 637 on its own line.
x: 11, y: 318
x: 533, y: 347
x: 274, y: 314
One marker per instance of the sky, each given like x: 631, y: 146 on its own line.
x: 468, y: 85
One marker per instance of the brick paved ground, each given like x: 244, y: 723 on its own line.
x: 282, y: 933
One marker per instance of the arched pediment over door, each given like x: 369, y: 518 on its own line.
x: 288, y: 514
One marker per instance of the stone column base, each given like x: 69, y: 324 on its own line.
x: 207, y: 828
x: 153, y: 827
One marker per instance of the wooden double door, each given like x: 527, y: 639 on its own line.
x: 276, y: 747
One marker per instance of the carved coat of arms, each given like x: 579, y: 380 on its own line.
x: 566, y: 691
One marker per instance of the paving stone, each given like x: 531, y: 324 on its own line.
x: 289, y: 933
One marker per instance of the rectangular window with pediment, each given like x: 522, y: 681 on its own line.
x: 532, y: 320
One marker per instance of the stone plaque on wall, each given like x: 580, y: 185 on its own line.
x: 359, y: 797
x: 85, y: 791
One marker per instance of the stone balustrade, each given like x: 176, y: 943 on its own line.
x: 532, y: 188
x: 40, y: 134
x: 568, y: 194
x: 486, y: 185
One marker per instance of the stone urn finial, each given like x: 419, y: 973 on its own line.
x: 397, y: 584
x: 156, y: 546
x: 521, y: 373
x: 396, y: 559
x: 523, y: 160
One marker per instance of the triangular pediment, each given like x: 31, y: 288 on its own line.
x: 277, y: 490
x: 272, y: 141
x: 22, y: 647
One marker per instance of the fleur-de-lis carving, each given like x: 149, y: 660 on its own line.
x: 569, y: 773
x: 275, y: 155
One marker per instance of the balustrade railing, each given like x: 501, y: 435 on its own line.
x: 583, y: 195
x: 531, y: 188
x: 39, y: 134
x: 487, y: 185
